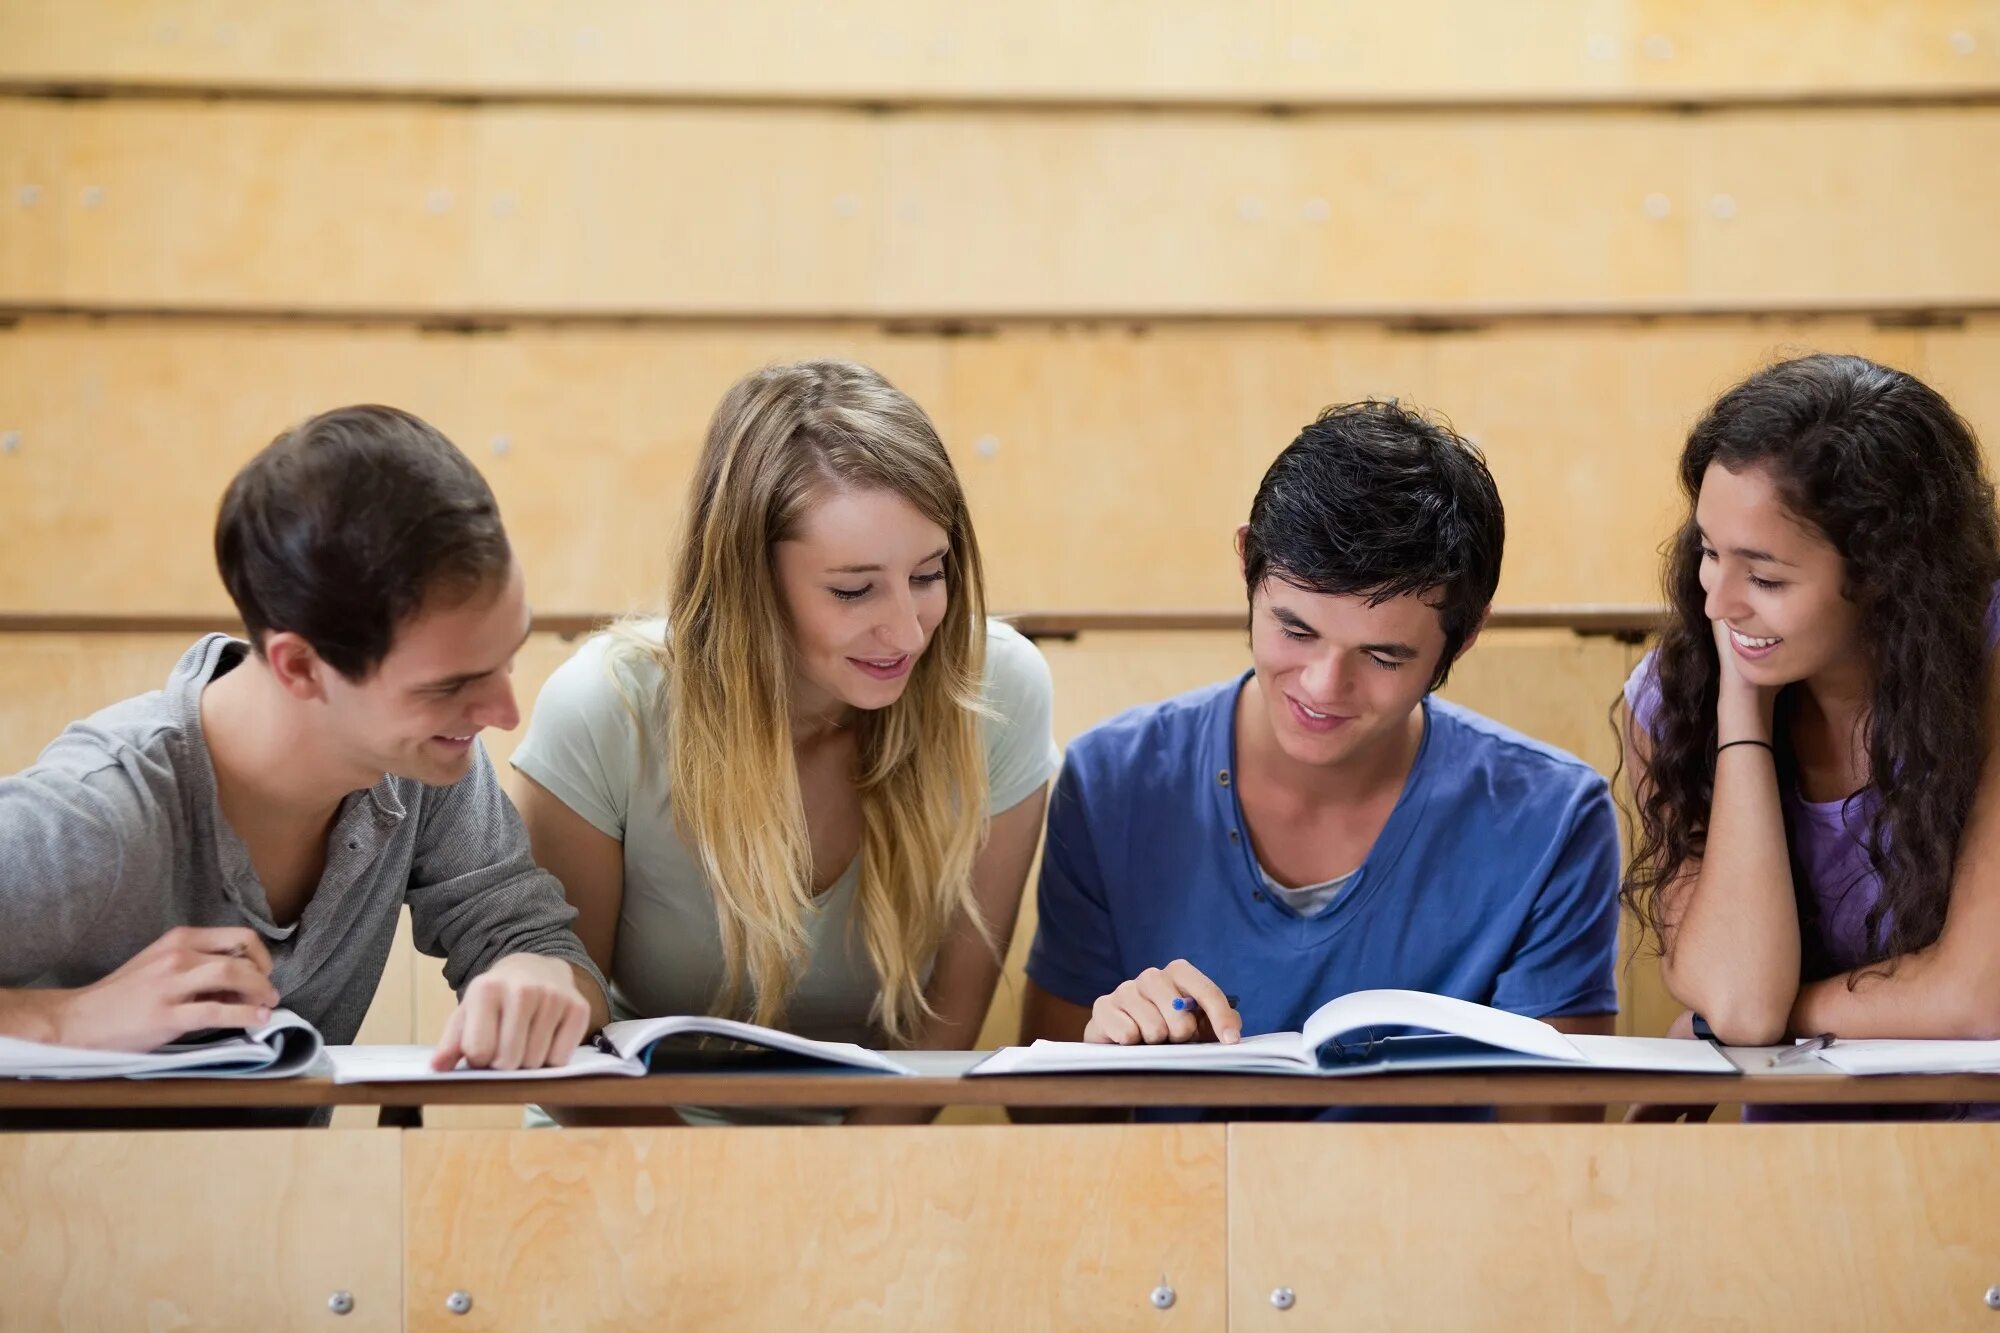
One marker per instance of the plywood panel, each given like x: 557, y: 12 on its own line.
x: 221, y: 1229
x: 1575, y: 1227
x: 832, y: 1228
x: 1893, y: 206
x: 127, y: 436
x: 1107, y: 467
x: 234, y: 204
x: 1257, y: 51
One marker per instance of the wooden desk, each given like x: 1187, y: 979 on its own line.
x: 1076, y: 1090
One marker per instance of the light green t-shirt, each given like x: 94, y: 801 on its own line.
x: 584, y: 746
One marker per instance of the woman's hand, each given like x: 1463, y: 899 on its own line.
x: 1743, y: 708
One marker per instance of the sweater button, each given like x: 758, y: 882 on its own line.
x: 1223, y: 777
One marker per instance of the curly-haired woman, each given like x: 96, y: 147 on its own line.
x: 1819, y: 826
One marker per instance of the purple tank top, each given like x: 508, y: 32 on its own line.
x: 1826, y: 838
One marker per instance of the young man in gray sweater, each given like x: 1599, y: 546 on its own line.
x: 245, y: 837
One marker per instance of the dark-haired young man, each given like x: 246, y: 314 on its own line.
x: 246, y: 836
x: 1322, y: 824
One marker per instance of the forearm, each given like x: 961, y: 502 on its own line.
x: 1926, y: 995
x: 1732, y: 954
x: 593, y: 993
x: 32, y: 1015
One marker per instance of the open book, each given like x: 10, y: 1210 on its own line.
x: 633, y: 1047
x: 1370, y: 1032
x: 1885, y: 1056
x: 281, y: 1048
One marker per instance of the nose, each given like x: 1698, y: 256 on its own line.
x: 1721, y: 600
x: 1325, y: 679
x: 902, y: 631
x: 496, y: 706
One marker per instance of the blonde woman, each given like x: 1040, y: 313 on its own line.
x: 811, y: 795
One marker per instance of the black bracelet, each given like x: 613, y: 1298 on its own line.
x: 1726, y: 744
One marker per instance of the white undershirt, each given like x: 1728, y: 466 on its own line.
x: 1310, y: 900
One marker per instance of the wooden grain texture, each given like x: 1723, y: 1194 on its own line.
x: 224, y: 1229
x: 1107, y: 468
x: 1037, y: 1228
x: 613, y: 211
x: 1257, y: 51
x: 1594, y: 1227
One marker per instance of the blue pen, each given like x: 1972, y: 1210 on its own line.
x: 1182, y: 1003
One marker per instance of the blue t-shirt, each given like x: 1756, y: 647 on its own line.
x: 1495, y: 878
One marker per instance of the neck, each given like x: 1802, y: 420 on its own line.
x: 1836, y: 698
x: 1380, y: 769
x: 815, y: 715
x: 269, y: 767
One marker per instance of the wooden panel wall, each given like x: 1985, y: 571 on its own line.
x: 220, y: 1229
x: 1575, y: 1227
x: 790, y: 1228
x: 1255, y: 51
x: 1107, y: 466
x: 437, y: 209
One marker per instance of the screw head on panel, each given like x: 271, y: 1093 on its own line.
x: 459, y: 1302
x: 1250, y: 209
x: 93, y: 196
x: 1964, y: 43
x: 1657, y: 47
x: 846, y: 205
x: 502, y: 445
x: 1601, y: 46
x: 1282, y: 1299
x: 506, y: 204
x: 1162, y: 1297
x: 10, y: 442
x: 1993, y: 1298
x: 1316, y: 210
x: 1723, y: 206
x: 1656, y: 206
x: 438, y: 201
x: 29, y: 195
x: 341, y: 1302
x: 986, y: 446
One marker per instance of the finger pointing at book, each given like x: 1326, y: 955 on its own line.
x: 1176, y: 1003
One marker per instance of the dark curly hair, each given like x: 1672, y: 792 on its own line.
x: 1882, y: 466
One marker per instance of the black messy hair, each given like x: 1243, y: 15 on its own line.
x: 1378, y: 500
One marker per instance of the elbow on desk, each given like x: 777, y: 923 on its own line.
x: 1737, y: 1017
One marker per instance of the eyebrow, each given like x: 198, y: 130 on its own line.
x: 938, y: 554
x: 453, y: 682
x: 1402, y: 652
x: 1749, y: 552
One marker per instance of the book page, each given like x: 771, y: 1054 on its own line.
x: 1361, y: 1011
x: 1271, y: 1053
x: 1881, y: 1056
x: 412, y: 1064
x: 631, y: 1038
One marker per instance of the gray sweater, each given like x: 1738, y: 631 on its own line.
x: 114, y: 837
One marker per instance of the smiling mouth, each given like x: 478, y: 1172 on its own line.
x: 885, y: 667
x: 1753, y: 644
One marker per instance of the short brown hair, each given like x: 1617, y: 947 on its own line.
x: 345, y: 526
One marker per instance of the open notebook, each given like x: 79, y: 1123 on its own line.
x: 633, y: 1047
x: 1370, y: 1032
x: 281, y: 1048
x: 1882, y: 1056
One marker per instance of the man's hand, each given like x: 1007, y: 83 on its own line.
x: 1164, y: 1004
x: 524, y: 1012
x: 188, y: 979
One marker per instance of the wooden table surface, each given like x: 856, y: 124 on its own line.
x: 1073, y: 1090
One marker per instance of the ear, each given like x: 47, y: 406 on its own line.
x: 295, y: 666
x: 1242, y: 541
x: 1473, y: 637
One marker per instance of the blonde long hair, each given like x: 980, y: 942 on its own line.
x: 781, y: 438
